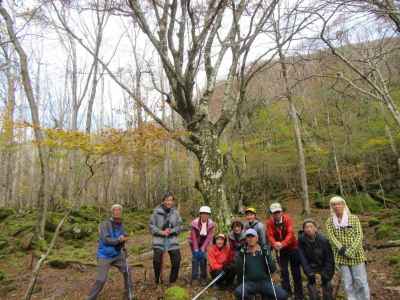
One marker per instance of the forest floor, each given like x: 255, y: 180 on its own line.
x: 74, y: 281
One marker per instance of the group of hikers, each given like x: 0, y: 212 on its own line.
x: 243, y: 259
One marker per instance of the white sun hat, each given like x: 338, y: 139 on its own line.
x: 205, y: 209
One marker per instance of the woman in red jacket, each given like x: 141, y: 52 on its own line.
x: 281, y: 236
x: 220, y: 255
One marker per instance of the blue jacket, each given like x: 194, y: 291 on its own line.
x: 109, y: 243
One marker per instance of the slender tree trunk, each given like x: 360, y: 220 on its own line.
x: 8, y: 131
x: 142, y: 162
x: 334, y: 153
x: 27, y: 84
x: 297, y: 133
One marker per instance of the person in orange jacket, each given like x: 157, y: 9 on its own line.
x: 219, y: 256
x: 281, y: 236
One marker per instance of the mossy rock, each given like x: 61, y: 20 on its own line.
x: 6, y: 287
x: 58, y: 263
x: 5, y: 212
x: 52, y: 221
x: 373, y: 222
x: 3, y: 243
x: 394, y: 260
x: 40, y: 245
x: 78, y: 231
x: 176, y: 293
x: 26, y: 242
x: 87, y: 213
x: 383, y: 231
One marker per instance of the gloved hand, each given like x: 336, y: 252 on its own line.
x: 342, y: 251
x: 198, y: 255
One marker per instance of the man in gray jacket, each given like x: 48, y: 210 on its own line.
x: 165, y: 226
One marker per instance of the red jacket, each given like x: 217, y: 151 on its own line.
x: 218, y: 258
x: 283, y: 233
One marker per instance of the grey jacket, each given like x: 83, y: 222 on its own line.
x: 159, y: 221
x: 260, y: 228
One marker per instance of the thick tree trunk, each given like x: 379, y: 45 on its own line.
x: 213, y: 167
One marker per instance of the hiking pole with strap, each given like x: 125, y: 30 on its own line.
x: 270, y: 277
x: 208, y: 286
x: 128, y: 274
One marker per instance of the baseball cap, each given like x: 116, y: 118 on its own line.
x: 251, y: 231
x: 251, y: 209
x: 275, y: 207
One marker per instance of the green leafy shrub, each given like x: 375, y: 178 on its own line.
x: 373, y: 222
x: 362, y: 203
x: 383, y: 231
x: 176, y: 293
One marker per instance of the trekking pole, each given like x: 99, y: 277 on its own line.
x: 244, y: 269
x: 208, y: 286
x: 128, y: 273
x: 270, y: 277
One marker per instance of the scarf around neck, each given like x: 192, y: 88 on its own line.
x: 344, y: 222
x: 203, y: 230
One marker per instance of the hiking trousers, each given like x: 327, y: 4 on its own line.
x: 263, y: 288
x: 103, y: 266
x: 199, y: 267
x: 355, y: 282
x: 175, y: 257
x: 291, y: 258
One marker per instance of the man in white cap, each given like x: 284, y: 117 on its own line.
x: 346, y: 236
x: 282, y: 238
x: 111, y: 241
x: 201, y: 235
x: 254, y: 266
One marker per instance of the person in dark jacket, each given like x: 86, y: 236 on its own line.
x: 236, y: 237
x: 112, y: 238
x: 201, y: 236
x: 283, y: 240
x: 254, y: 265
x: 165, y: 226
x: 317, y: 258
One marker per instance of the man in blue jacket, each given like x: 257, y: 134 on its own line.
x: 112, y: 238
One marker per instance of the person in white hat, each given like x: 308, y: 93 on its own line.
x: 282, y: 238
x: 201, y: 235
x: 346, y: 237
